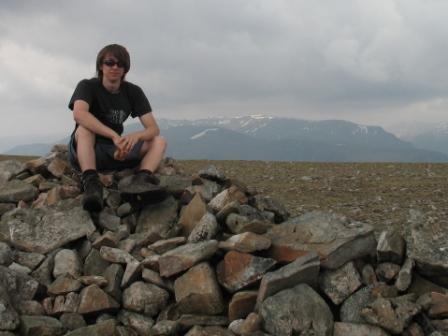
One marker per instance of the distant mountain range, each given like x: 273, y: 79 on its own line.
x: 259, y: 137
x: 435, y: 139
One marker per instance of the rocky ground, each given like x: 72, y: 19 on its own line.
x: 233, y: 248
x: 381, y: 194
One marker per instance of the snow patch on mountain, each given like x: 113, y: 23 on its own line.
x: 201, y: 134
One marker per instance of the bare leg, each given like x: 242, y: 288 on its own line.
x: 85, y: 148
x: 152, y: 152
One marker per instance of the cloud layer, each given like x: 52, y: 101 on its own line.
x: 376, y: 62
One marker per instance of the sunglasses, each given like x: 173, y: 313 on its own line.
x: 111, y: 63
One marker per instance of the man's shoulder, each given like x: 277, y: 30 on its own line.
x: 90, y: 81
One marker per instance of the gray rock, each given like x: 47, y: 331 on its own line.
x: 332, y: 236
x: 29, y: 307
x: 340, y: 283
x: 28, y: 259
x: 353, y: 329
x: 351, y: 308
x: 100, y: 329
x: 64, y: 284
x: 186, y: 256
x: 20, y: 286
x: 208, y: 189
x: 193, y: 298
x: 93, y: 300
x: 19, y: 268
x: 427, y: 246
x: 115, y: 255
x: 5, y: 254
x: 165, y: 328
x: 404, y: 278
x: 175, y: 184
x: 391, y: 247
x: 206, y: 229
x: 154, y: 278
x: 40, y: 326
x: 9, y: 169
x: 212, y: 173
x: 225, y: 197
x: 299, y: 310
x: 247, y: 242
x: 43, y: 274
x: 237, y: 224
x: 94, y: 263
x: 5, y: 207
x: 45, y: 229
x: 132, y: 271
x: 145, y: 298
x: 66, y: 304
x: 304, y: 269
x: 72, y: 321
x: 114, y: 275
x: 9, y: 319
x: 266, y: 203
x: 67, y: 262
x: 159, y: 221
x: 109, y: 221
x: 17, y: 190
x: 140, y: 323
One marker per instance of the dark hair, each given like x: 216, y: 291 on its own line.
x: 119, y: 52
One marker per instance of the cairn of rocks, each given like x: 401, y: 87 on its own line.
x: 213, y: 257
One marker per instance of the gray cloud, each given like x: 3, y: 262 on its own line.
x: 371, y: 62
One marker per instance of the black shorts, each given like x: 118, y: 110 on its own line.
x: 104, y: 154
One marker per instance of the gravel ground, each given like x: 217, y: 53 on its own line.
x: 381, y: 194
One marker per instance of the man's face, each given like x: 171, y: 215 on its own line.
x: 112, y: 69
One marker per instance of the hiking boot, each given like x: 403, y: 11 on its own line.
x: 142, y: 187
x: 92, y: 200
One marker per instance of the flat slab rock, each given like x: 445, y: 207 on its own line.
x: 427, y: 246
x: 332, y: 236
x: 44, y: 229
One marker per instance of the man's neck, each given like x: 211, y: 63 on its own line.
x: 112, y: 87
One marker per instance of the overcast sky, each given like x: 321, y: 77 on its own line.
x: 379, y: 62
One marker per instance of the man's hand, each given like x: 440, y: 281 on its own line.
x: 120, y: 153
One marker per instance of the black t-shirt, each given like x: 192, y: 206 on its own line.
x: 112, y: 109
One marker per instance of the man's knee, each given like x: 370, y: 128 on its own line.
x: 160, y: 143
x: 83, y: 133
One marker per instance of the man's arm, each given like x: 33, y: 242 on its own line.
x: 151, y: 130
x: 86, y: 119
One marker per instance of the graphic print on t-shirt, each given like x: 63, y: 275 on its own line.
x: 116, y: 117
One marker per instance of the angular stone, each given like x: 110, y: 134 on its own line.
x: 94, y: 299
x: 266, y: 203
x: 340, y: 283
x: 242, y: 304
x: 165, y: 328
x: 191, y: 214
x: 212, y: 173
x: 438, y: 307
x: 368, y: 275
x: 208, y: 331
x: 246, y: 242
x: 154, y: 278
x: 68, y: 191
x: 58, y: 167
x: 304, y: 269
x: 115, y: 255
x: 5, y: 254
x: 299, y: 310
x: 159, y: 221
x: 387, y: 271
x: 37, y: 166
x: 64, y: 284
x: 17, y: 190
x: 65, y: 304
x: 138, y: 322
x: 345, y: 329
x: 28, y: 259
x: 350, y: 311
x: 420, y: 286
x: 132, y: 271
x: 114, y: 275
x: 198, y: 292
x: 145, y: 298
x: 30, y: 307
x: 208, y: 189
x: 109, y: 221
x: 186, y: 256
x: 53, y: 196
x: 35, y: 180
x: 227, y: 196
x: 251, y: 324
x: 238, y: 270
x: 108, y: 238
x: 206, y: 229
x: 333, y: 237
x: 124, y: 210
x: 100, y: 329
x: 40, y: 326
x: 98, y: 280
x: 5, y: 207
x: 404, y: 278
x: 165, y: 245
x: 239, y: 224
x: 427, y: 246
x: 67, y: 262
x: 19, y: 286
x: 72, y: 321
x: 9, y: 319
x: 94, y: 263
x: 43, y: 230
x: 175, y: 184
x: 393, y: 315
x: 9, y: 169
x: 19, y: 268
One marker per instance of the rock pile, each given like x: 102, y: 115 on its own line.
x: 211, y: 258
